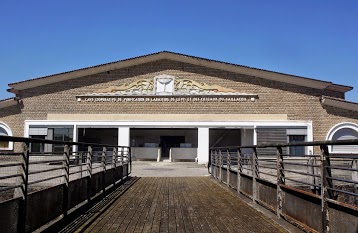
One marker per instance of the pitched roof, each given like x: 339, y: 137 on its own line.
x: 338, y: 103
x: 8, y: 102
x: 266, y: 74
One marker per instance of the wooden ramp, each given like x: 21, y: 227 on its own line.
x: 179, y: 204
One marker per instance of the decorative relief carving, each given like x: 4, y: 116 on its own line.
x: 187, y: 86
x: 166, y: 85
x: 143, y: 86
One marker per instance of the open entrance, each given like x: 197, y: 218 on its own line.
x: 167, y: 142
x: 164, y: 144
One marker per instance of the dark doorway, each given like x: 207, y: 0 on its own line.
x: 167, y: 142
x: 224, y: 137
x: 107, y: 136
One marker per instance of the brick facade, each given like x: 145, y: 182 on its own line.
x: 299, y: 103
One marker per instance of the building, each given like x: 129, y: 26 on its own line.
x: 175, y: 105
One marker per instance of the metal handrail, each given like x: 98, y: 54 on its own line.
x: 46, y: 141
x: 302, y: 182
x: 45, y: 170
x: 9, y: 176
x: 313, y: 143
x: 43, y: 180
x: 318, y: 174
x: 10, y: 164
x: 2, y: 189
x: 301, y: 173
x: 57, y: 170
x: 46, y: 161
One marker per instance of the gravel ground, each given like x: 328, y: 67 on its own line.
x: 167, y: 169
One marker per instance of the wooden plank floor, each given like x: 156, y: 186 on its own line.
x: 180, y: 204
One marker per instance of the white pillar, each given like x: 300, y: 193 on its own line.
x: 255, y: 135
x: 248, y: 137
x: 203, y: 145
x: 310, y: 138
x: 123, y: 136
x: 75, y: 138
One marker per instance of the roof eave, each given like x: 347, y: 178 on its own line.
x: 339, y: 88
x: 12, y: 90
x: 83, y: 72
x: 253, y: 72
x: 8, y: 103
x: 342, y: 104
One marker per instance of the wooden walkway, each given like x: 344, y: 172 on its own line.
x: 179, y: 204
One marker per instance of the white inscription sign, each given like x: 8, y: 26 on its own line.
x: 165, y: 99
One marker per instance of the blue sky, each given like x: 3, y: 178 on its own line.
x: 315, y: 39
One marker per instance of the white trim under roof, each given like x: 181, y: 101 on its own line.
x: 270, y: 75
x: 167, y: 124
x: 167, y: 117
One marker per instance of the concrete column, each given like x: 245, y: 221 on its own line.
x: 255, y: 136
x: 310, y: 138
x: 203, y: 145
x: 75, y: 138
x: 247, y: 139
x: 123, y: 136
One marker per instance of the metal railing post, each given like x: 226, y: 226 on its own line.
x: 255, y: 174
x: 89, y: 168
x: 103, y: 158
x: 80, y: 163
x: 210, y: 162
x: 24, y: 187
x: 114, y: 164
x: 130, y: 160
x: 104, y: 169
x: 114, y: 157
x: 325, y: 184
x: 355, y: 177
x: 312, y: 169
x: 220, y: 165
x: 239, y: 170
x: 280, y: 181
x: 121, y: 158
x: 66, y: 169
x: 228, y: 166
x: 89, y: 160
x: 214, y: 171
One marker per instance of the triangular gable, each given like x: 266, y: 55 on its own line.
x: 265, y: 74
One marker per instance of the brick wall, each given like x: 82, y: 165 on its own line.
x: 299, y: 103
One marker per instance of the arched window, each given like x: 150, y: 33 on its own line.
x: 343, y: 131
x: 5, y: 130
